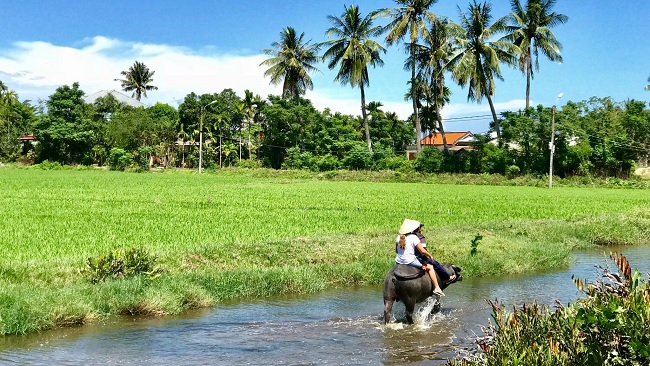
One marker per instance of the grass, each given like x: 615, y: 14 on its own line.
x: 239, y: 234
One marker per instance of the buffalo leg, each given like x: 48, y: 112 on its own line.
x: 388, y: 306
x: 410, y: 307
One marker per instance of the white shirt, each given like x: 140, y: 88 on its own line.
x: 407, y: 255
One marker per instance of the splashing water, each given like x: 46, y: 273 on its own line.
x: 424, y: 316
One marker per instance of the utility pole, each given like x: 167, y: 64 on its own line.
x: 551, y: 145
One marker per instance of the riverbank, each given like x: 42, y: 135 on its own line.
x: 223, y: 236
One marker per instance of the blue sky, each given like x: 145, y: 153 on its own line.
x: 206, y: 46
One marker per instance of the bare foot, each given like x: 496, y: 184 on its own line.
x: 438, y: 292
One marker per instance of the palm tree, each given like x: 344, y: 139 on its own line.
x: 137, y: 79
x: 476, y: 63
x: 353, y: 50
x: 432, y: 57
x: 291, y: 62
x: 183, y: 136
x: 531, y: 32
x: 411, y: 18
x: 249, y: 113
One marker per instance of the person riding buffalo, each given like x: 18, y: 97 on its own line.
x: 408, y: 244
x: 439, y: 268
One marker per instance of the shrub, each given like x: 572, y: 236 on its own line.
x: 119, y: 159
x: 512, y: 171
x: 249, y: 164
x: 50, y: 165
x: 358, y: 158
x: 326, y: 163
x: 120, y: 264
x: 144, y: 154
x: 298, y: 160
x: 397, y: 163
x: 429, y: 160
x: 608, y: 327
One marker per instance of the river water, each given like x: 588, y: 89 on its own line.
x: 338, y: 327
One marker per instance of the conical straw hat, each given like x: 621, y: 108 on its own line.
x: 409, y: 226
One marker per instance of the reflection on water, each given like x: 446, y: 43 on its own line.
x: 339, y: 327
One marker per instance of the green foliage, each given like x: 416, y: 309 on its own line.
x: 358, y: 158
x: 429, y: 160
x: 398, y: 163
x: 119, y: 159
x: 474, y: 246
x: 16, y: 119
x: 249, y: 164
x: 67, y: 132
x: 296, y: 159
x: 49, y: 165
x: 120, y: 264
x: 326, y: 163
x: 144, y: 154
x: 610, y: 326
x: 512, y: 171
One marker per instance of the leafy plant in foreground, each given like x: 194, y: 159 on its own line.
x: 477, y: 239
x: 611, y: 326
x: 120, y: 264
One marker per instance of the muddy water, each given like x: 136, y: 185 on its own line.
x: 339, y: 327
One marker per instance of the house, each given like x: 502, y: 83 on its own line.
x: 90, y: 99
x: 456, y: 141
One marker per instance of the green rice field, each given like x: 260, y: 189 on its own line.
x: 234, y: 234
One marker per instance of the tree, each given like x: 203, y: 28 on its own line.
x: 647, y: 87
x: 353, y: 50
x: 291, y: 62
x: 410, y: 18
x: 432, y: 56
x: 252, y: 105
x: 15, y: 120
x: 531, y: 32
x: 389, y: 130
x: 66, y: 133
x: 476, y: 63
x: 137, y: 79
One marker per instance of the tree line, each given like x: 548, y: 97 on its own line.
x: 596, y: 137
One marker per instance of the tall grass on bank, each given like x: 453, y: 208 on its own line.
x: 226, y: 236
x: 610, y: 326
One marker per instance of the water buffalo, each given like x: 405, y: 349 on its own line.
x: 411, y: 285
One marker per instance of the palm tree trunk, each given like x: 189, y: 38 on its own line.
x: 488, y: 93
x: 418, y: 128
x: 496, y: 120
x: 438, y: 116
x: 529, y: 65
x: 183, y: 162
x: 365, y: 117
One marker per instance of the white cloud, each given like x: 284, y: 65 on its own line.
x: 35, y: 69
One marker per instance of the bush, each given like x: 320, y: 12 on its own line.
x: 120, y: 264
x: 358, y: 158
x: 249, y: 164
x: 119, y: 159
x: 298, y: 160
x: 144, y: 154
x: 608, y: 327
x: 326, y: 163
x: 429, y: 160
x: 49, y: 165
x: 512, y: 171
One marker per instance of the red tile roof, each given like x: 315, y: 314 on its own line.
x: 435, y: 139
